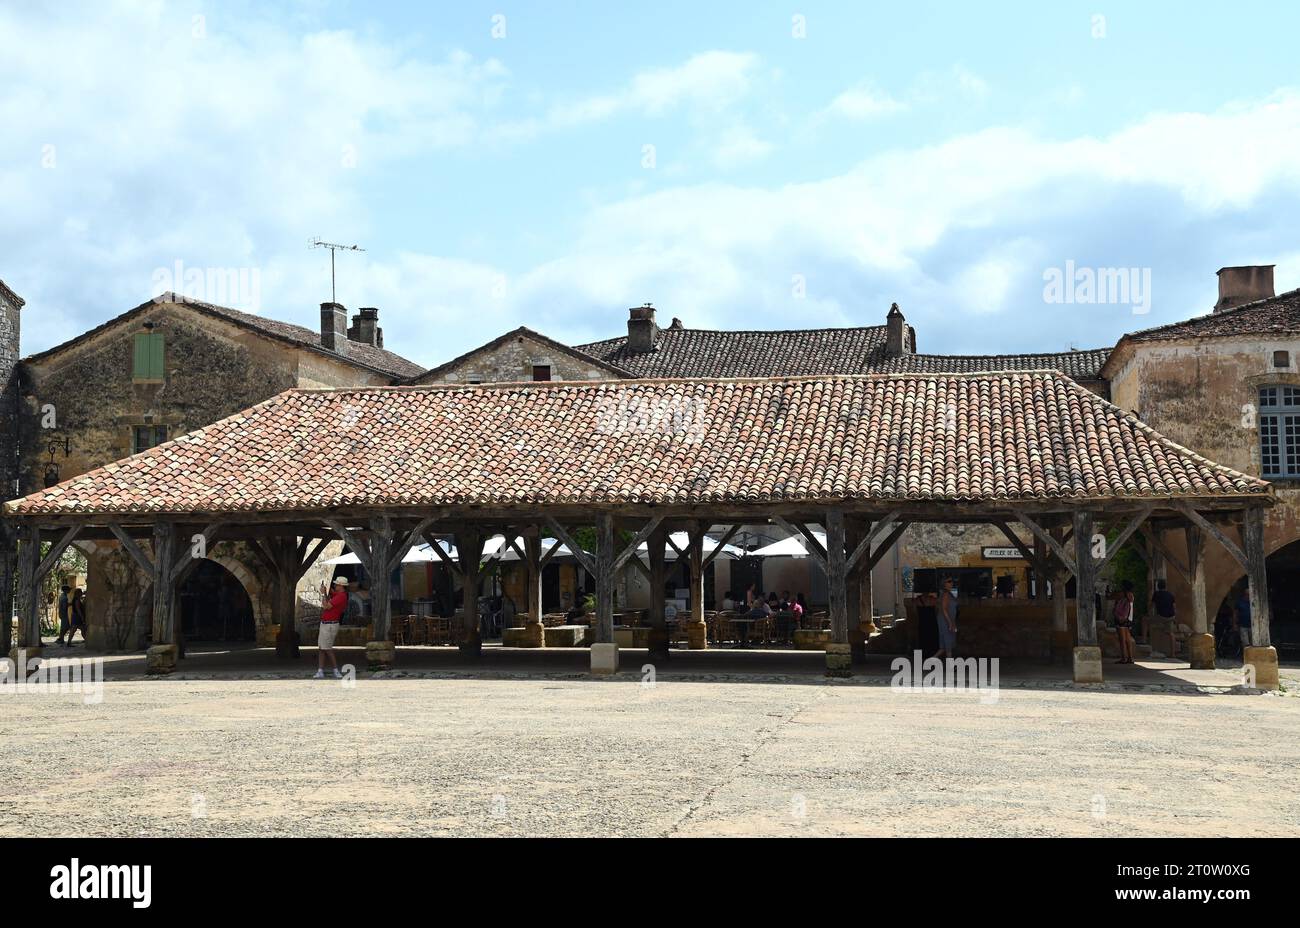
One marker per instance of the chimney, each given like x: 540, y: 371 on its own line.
x: 1238, y: 285
x: 368, y: 330
x: 642, y: 332
x: 333, y: 326
x: 896, y: 340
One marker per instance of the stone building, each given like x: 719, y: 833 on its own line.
x: 163, y: 369
x: 11, y: 305
x: 1227, y: 385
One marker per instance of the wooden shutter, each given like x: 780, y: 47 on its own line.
x: 156, y: 356
x: 140, y: 367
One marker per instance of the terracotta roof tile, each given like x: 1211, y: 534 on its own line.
x: 982, y: 437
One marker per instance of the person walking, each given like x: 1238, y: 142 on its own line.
x: 77, y: 615
x: 65, y: 620
x: 1123, y: 614
x: 946, y: 619
x: 330, y: 617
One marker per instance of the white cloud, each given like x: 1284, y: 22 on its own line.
x: 863, y: 102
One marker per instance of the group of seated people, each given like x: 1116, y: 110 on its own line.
x: 758, y: 607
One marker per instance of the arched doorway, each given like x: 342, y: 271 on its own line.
x: 1283, y: 567
x: 214, y: 606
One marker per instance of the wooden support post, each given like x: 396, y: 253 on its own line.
x: 534, y: 630
x: 839, y: 658
x: 658, y: 642
x: 604, y: 651
x: 854, y: 533
x: 1040, y: 579
x: 697, y: 636
x: 162, y: 654
x: 1062, y: 641
x: 8, y: 578
x: 469, y: 546
x: 1201, y: 645
x: 1261, y: 656
x: 1087, y: 654
x: 380, y: 570
x: 29, y: 592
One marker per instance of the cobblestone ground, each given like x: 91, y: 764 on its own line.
x: 594, y: 757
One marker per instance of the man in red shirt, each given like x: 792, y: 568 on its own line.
x: 331, y: 615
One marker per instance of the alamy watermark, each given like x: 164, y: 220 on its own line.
x: 677, y: 416
x: 236, y: 287
x: 947, y: 677
x: 49, y: 676
x: 1115, y: 286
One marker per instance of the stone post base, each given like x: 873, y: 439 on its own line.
x: 535, y: 634
x: 286, y: 644
x: 1087, y: 664
x: 697, y: 636
x: 161, y: 658
x: 380, y: 655
x: 1201, y: 649
x: 839, y: 660
x: 31, y: 653
x: 604, y: 658
x: 1264, y: 662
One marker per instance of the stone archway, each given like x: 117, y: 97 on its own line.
x: 1283, y: 566
x: 215, y: 604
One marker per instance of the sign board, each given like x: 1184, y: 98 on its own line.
x: 1001, y: 554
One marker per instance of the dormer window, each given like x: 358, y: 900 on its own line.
x: 541, y: 373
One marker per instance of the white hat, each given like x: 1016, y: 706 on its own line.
x: 341, y: 580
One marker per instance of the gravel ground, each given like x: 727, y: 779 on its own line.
x: 582, y: 756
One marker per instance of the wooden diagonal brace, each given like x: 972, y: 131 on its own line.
x: 1047, y: 539
x: 1113, y: 547
x: 132, y: 548
x: 646, y: 531
x: 1229, y: 545
x: 584, y: 557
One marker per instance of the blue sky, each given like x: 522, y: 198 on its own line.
x: 551, y: 164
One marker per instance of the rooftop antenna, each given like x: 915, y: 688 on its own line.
x: 317, y: 243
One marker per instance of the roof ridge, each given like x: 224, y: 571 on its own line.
x: 1234, y: 310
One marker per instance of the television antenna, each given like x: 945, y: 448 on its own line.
x: 317, y: 243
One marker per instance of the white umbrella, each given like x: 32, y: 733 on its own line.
x: 682, y: 539
x: 507, y: 553
x: 418, y: 554
x: 789, y: 547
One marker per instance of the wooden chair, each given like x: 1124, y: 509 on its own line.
x: 398, y: 630
x: 415, y: 629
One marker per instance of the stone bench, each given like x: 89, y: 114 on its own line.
x: 811, y: 639
x: 523, y: 636
x: 566, y: 636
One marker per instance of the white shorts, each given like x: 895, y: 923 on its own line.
x: 328, y: 632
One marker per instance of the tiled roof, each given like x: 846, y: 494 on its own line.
x: 813, y: 352
x: 1081, y: 365
x: 435, y: 375
x: 979, y: 437
x: 1274, y: 316
x: 683, y: 352
x: 377, y: 359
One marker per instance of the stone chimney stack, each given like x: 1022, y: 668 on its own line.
x: 333, y: 326
x: 1238, y: 285
x: 642, y: 331
x: 365, y: 328
x: 897, y: 343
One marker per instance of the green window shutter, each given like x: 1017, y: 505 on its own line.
x: 140, y: 368
x: 156, y: 356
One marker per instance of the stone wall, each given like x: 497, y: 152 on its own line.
x: 9, y: 349
x: 514, y: 359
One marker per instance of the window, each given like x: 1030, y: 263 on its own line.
x: 148, y: 365
x: 1279, y: 431
x: 145, y: 437
x: 541, y: 372
x: 1281, y: 359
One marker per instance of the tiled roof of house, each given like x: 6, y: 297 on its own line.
x: 377, y: 359
x: 1276, y: 315
x: 435, y: 375
x: 683, y: 352
x: 1081, y: 365
x: 978, y: 437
